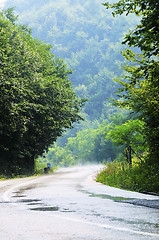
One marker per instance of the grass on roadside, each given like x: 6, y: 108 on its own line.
x: 39, y: 170
x: 140, y: 177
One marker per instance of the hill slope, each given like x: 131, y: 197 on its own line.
x: 87, y: 37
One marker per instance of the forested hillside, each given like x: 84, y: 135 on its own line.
x: 89, y: 40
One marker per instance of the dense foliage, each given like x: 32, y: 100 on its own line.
x: 105, y: 143
x: 141, y: 92
x: 87, y: 38
x: 138, y: 178
x: 36, y: 98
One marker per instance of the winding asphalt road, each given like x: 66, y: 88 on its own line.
x: 70, y: 205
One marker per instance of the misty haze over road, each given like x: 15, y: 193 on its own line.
x: 70, y: 205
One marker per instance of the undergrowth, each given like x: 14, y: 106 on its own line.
x: 39, y: 170
x: 140, y: 177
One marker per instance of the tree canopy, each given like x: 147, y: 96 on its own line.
x: 37, y: 102
x: 141, y: 91
x: 88, y: 38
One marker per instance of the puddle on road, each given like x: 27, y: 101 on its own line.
x: 144, y: 225
x: 30, y: 187
x: 19, y: 196
x: 67, y: 210
x: 44, y: 209
x: 51, y: 209
x: 17, y: 192
x: 151, y: 203
x: 34, y: 203
x: 30, y: 201
x: 104, y: 196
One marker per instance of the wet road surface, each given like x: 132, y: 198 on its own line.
x: 70, y: 205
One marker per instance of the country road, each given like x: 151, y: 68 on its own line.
x: 70, y: 205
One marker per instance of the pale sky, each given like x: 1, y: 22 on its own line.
x: 2, y: 3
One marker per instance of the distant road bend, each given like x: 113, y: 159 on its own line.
x: 70, y: 205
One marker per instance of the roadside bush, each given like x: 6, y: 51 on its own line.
x: 140, y: 177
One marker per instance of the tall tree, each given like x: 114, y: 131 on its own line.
x: 141, y: 92
x: 37, y: 102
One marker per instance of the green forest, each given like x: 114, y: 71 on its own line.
x: 79, y: 84
x: 88, y: 38
x: 37, y: 99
